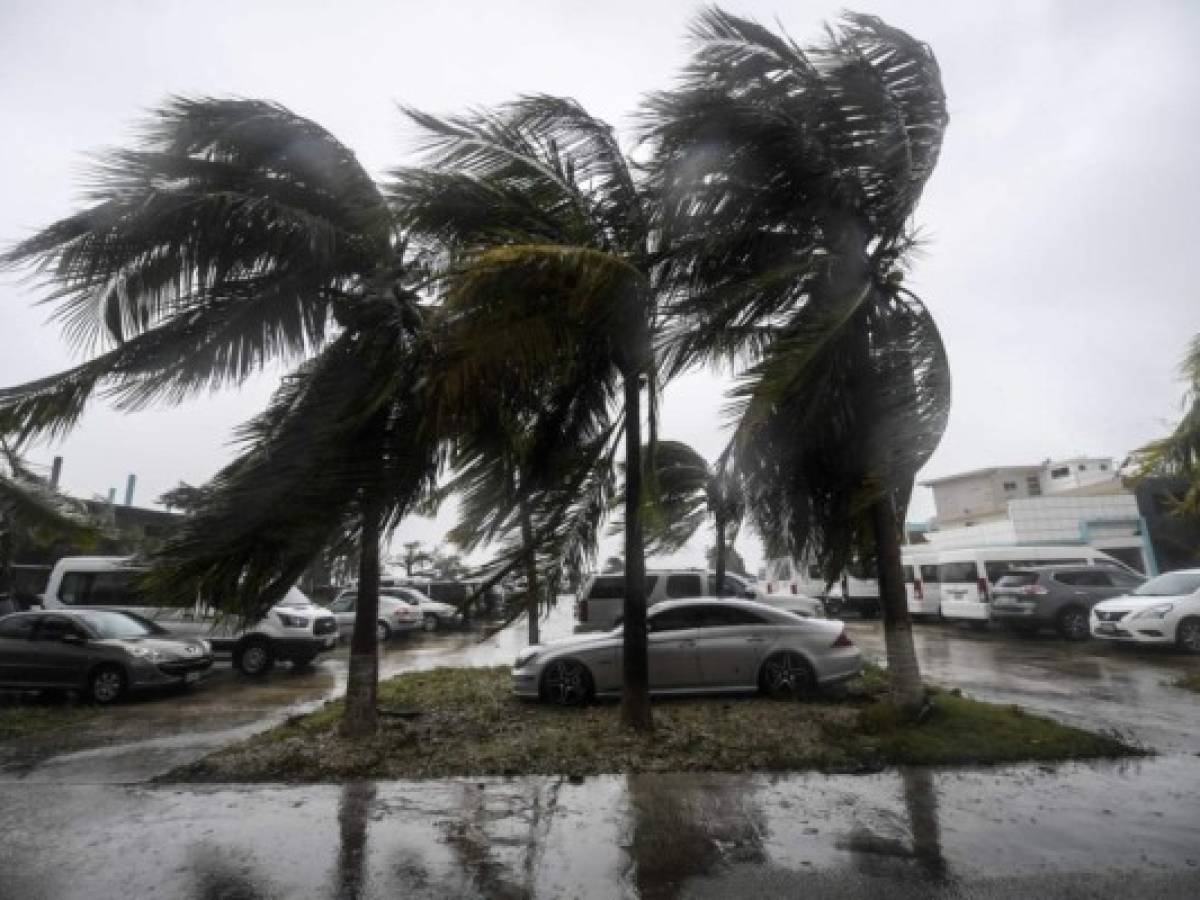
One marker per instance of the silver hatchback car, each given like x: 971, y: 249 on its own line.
x: 697, y: 646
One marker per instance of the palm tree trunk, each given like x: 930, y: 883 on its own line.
x: 720, y: 561
x: 635, y: 695
x: 531, y: 585
x: 903, y: 670
x: 360, y: 716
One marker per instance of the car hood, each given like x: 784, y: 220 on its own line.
x: 1132, y: 602
x: 578, y: 640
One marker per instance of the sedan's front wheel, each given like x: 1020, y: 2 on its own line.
x: 567, y: 682
x: 787, y: 675
x: 107, y: 684
x: 1187, y: 635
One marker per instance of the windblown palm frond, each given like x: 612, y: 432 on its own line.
x: 1178, y: 454
x: 27, y: 502
x: 351, y: 422
x: 233, y: 235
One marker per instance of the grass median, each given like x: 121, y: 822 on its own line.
x: 467, y: 723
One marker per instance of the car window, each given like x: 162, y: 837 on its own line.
x: 716, y: 616
x: 957, y: 571
x: 929, y: 574
x: 17, y: 626
x: 733, y: 587
x: 343, y: 604
x: 52, y: 628
x: 671, y: 620
x: 117, y: 587
x: 612, y: 587
x: 1017, y: 579
x: 997, y: 567
x: 909, y: 575
x: 681, y: 587
x: 118, y: 625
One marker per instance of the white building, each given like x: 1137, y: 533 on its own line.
x: 1068, y: 501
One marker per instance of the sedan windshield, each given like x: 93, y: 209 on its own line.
x: 121, y: 626
x: 1172, y: 584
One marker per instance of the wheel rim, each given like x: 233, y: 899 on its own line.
x: 106, y: 686
x: 1075, y: 624
x: 1189, y: 636
x: 429, y: 623
x: 566, y: 683
x: 382, y: 632
x: 254, y: 658
x: 786, y: 675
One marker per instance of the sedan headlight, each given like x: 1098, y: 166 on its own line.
x: 1156, y: 612
x: 289, y: 621
x: 205, y: 647
x: 525, y: 657
x: 148, y: 653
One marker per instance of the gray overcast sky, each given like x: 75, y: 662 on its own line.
x: 1061, y: 219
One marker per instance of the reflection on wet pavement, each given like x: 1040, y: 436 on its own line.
x: 1072, y: 830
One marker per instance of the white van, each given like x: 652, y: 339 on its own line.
x: 294, y: 629
x: 967, y: 576
x: 787, y: 576
x: 922, y: 583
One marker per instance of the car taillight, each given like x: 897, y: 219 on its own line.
x: 983, y: 590
x: 581, y: 611
x: 843, y: 641
x: 1034, y: 589
x: 918, y: 590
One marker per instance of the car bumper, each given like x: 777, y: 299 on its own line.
x: 303, y: 647
x: 924, y: 607
x: 846, y: 664
x: 404, y: 627
x: 1149, y: 631
x: 525, y: 683
x: 1019, y: 613
x: 966, y: 609
x: 144, y: 673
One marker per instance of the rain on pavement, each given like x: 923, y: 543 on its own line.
x: 79, y: 820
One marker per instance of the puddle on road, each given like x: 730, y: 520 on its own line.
x: 906, y: 833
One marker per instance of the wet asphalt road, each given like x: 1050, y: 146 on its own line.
x: 75, y: 821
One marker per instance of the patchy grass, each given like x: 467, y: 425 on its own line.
x: 22, y: 717
x: 1188, y: 682
x: 469, y: 724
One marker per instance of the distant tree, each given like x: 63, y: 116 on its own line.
x: 183, y: 497
x: 414, y: 554
x: 1178, y: 454
x: 733, y: 560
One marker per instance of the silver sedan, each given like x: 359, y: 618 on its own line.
x: 697, y: 646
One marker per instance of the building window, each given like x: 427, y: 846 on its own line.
x: 1082, y: 467
x: 1103, y: 467
x: 1034, y: 486
x: 1060, y: 472
x: 1010, y: 485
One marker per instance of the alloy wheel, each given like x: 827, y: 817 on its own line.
x: 566, y: 683
x: 107, y: 685
x: 254, y: 659
x: 1189, y: 635
x: 429, y: 623
x: 1075, y: 625
x: 787, y: 675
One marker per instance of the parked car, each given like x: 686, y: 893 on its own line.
x: 855, y: 591
x: 601, y: 602
x: 697, y: 646
x: 397, y: 615
x: 1058, y: 597
x: 103, y: 653
x: 968, y: 576
x: 294, y: 630
x: 1164, y: 610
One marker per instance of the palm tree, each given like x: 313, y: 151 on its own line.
x: 1178, y: 454
x: 789, y: 176
x: 684, y: 491
x: 551, y: 262
x: 32, y: 511
x: 238, y: 233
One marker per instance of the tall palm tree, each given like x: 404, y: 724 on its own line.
x: 237, y: 233
x: 552, y: 278
x: 684, y: 491
x: 789, y: 176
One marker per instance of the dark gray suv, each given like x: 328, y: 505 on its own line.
x: 1058, y: 597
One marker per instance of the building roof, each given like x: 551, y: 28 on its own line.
x: 975, y: 473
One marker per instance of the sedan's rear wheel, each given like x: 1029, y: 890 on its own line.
x: 567, y: 682
x: 787, y: 675
x: 107, y: 684
x: 1187, y: 635
x: 1073, y: 624
x: 429, y: 622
